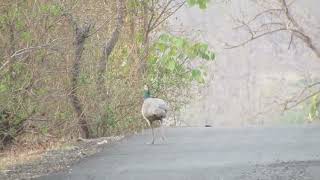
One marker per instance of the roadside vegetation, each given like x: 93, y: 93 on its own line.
x: 71, y: 69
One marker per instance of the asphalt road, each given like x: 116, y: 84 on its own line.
x: 277, y: 153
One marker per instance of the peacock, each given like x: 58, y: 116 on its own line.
x: 153, y: 109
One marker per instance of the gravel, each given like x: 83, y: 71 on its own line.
x: 57, y: 160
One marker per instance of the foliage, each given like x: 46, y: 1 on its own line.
x: 201, y: 3
x: 303, y: 107
x: 35, y: 85
x: 314, y: 108
x: 171, y: 62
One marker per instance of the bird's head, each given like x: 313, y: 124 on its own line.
x: 146, y: 92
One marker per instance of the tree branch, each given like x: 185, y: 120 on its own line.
x: 109, y: 46
x: 20, y: 52
x: 289, y: 24
x: 255, y: 37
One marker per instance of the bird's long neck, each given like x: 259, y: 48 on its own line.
x: 146, y: 94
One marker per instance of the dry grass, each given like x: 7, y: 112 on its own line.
x: 28, y: 153
x: 23, y: 154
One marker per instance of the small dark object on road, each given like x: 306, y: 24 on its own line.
x: 207, y: 125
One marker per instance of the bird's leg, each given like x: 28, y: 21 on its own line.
x: 163, y: 138
x: 150, y: 124
x: 152, y: 134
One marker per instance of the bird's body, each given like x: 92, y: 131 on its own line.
x: 153, y: 109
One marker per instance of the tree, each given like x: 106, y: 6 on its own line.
x: 281, y: 20
x: 109, y: 46
x: 278, y: 16
x: 61, y: 73
x: 81, y: 33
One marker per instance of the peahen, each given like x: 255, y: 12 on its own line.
x: 153, y: 109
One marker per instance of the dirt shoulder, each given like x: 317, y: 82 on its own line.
x: 56, y: 160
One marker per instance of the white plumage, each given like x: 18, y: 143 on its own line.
x: 154, y: 109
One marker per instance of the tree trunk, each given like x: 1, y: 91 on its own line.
x: 145, y: 45
x: 108, y: 48
x: 81, y: 36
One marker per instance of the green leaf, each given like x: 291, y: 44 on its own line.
x: 171, y: 65
x: 3, y: 88
x: 161, y: 47
x: 179, y: 42
x: 44, y: 130
x: 55, y: 10
x: 19, y: 24
x: 26, y: 36
x: 172, y: 54
x: 201, y: 3
x: 139, y: 37
x: 314, y: 113
x: 211, y: 55
x: 2, y: 20
x: 195, y: 73
x: 152, y: 59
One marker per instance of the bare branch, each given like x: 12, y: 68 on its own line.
x: 286, y: 104
x: 289, y: 24
x: 170, y: 13
x: 20, y: 52
x: 288, y: 14
x: 162, y: 13
x: 255, y: 37
x: 303, y: 91
x: 291, y: 41
x: 268, y: 11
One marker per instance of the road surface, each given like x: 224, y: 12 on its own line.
x: 274, y: 153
